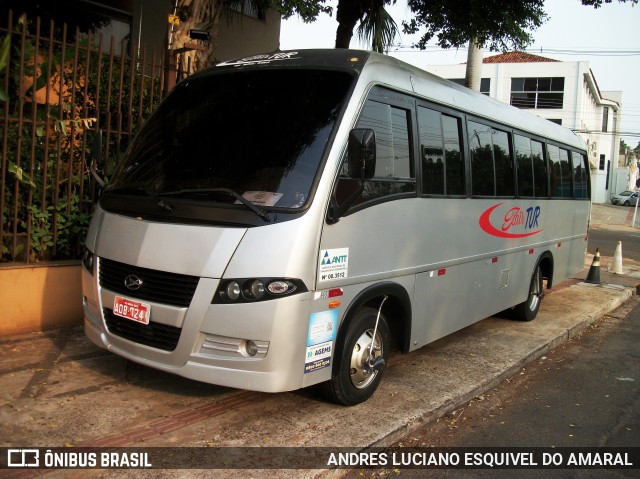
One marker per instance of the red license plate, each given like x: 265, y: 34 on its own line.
x: 133, y: 310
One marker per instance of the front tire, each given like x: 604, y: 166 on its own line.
x: 353, y: 380
x: 528, y: 310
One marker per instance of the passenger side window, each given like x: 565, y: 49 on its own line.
x: 525, y: 166
x: 394, y: 172
x: 540, y: 175
x: 442, y: 162
x: 580, y: 179
x: 560, y: 170
x: 491, y: 162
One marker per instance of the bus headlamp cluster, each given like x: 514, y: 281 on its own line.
x: 256, y: 289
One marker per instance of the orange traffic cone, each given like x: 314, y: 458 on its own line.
x: 593, y: 276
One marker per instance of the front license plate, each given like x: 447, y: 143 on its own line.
x: 133, y: 310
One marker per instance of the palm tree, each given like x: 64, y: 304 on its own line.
x: 376, y: 25
x: 378, y: 28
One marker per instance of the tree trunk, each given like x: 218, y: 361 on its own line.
x: 197, y: 15
x: 474, y: 65
x: 347, y: 15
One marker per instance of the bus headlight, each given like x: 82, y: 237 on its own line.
x: 256, y: 289
x: 232, y: 290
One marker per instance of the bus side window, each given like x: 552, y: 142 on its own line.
x: 525, y: 166
x: 580, y: 180
x: 394, y: 166
x: 540, y: 175
x: 560, y: 172
x: 503, y: 163
x: 565, y: 166
x: 442, y: 163
x: 491, y: 162
x: 480, y: 146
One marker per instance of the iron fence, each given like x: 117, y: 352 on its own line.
x: 61, y: 89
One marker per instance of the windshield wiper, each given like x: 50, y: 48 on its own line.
x: 224, y: 191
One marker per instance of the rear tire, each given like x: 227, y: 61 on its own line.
x: 528, y: 310
x: 353, y: 380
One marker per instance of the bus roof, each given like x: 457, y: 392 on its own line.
x: 375, y: 68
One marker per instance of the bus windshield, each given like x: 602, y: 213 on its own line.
x: 237, y: 140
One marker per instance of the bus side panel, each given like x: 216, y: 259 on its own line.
x: 465, y: 269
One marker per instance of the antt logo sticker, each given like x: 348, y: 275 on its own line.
x: 512, y: 223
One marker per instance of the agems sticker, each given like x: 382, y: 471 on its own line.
x: 514, y: 223
x: 322, y: 332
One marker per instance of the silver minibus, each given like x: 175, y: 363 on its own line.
x: 289, y: 219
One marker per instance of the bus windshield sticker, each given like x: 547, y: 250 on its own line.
x: 260, y: 59
x: 322, y: 332
x: 512, y: 223
x: 261, y: 198
x: 334, y: 264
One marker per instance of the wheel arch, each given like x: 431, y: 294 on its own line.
x: 397, y: 310
x: 545, y: 261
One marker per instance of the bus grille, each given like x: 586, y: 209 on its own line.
x: 156, y: 335
x: 157, y: 286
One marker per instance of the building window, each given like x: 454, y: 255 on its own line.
x: 605, y: 118
x: 247, y: 8
x: 540, y: 93
x: 485, y: 84
x: 602, y: 163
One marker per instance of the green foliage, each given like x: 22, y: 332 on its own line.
x: 496, y: 24
x: 308, y: 10
x: 598, y: 3
x: 378, y: 28
x: 48, y: 191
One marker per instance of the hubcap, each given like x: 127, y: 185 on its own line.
x: 361, y: 374
x: 536, y: 285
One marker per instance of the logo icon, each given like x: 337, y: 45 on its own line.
x: 23, y: 458
x: 512, y: 224
x: 133, y: 282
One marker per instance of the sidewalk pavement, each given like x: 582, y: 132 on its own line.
x: 69, y: 393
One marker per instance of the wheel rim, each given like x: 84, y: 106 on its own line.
x: 536, y: 288
x: 361, y: 375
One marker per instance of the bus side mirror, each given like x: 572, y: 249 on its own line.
x: 96, y: 156
x: 361, y: 152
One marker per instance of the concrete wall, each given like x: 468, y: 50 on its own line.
x: 37, y: 298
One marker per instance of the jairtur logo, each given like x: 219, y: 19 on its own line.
x: 514, y: 223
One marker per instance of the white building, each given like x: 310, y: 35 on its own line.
x: 563, y: 92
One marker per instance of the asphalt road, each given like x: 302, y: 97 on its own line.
x: 607, y: 240
x: 585, y: 393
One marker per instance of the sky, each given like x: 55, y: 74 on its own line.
x: 608, y: 38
